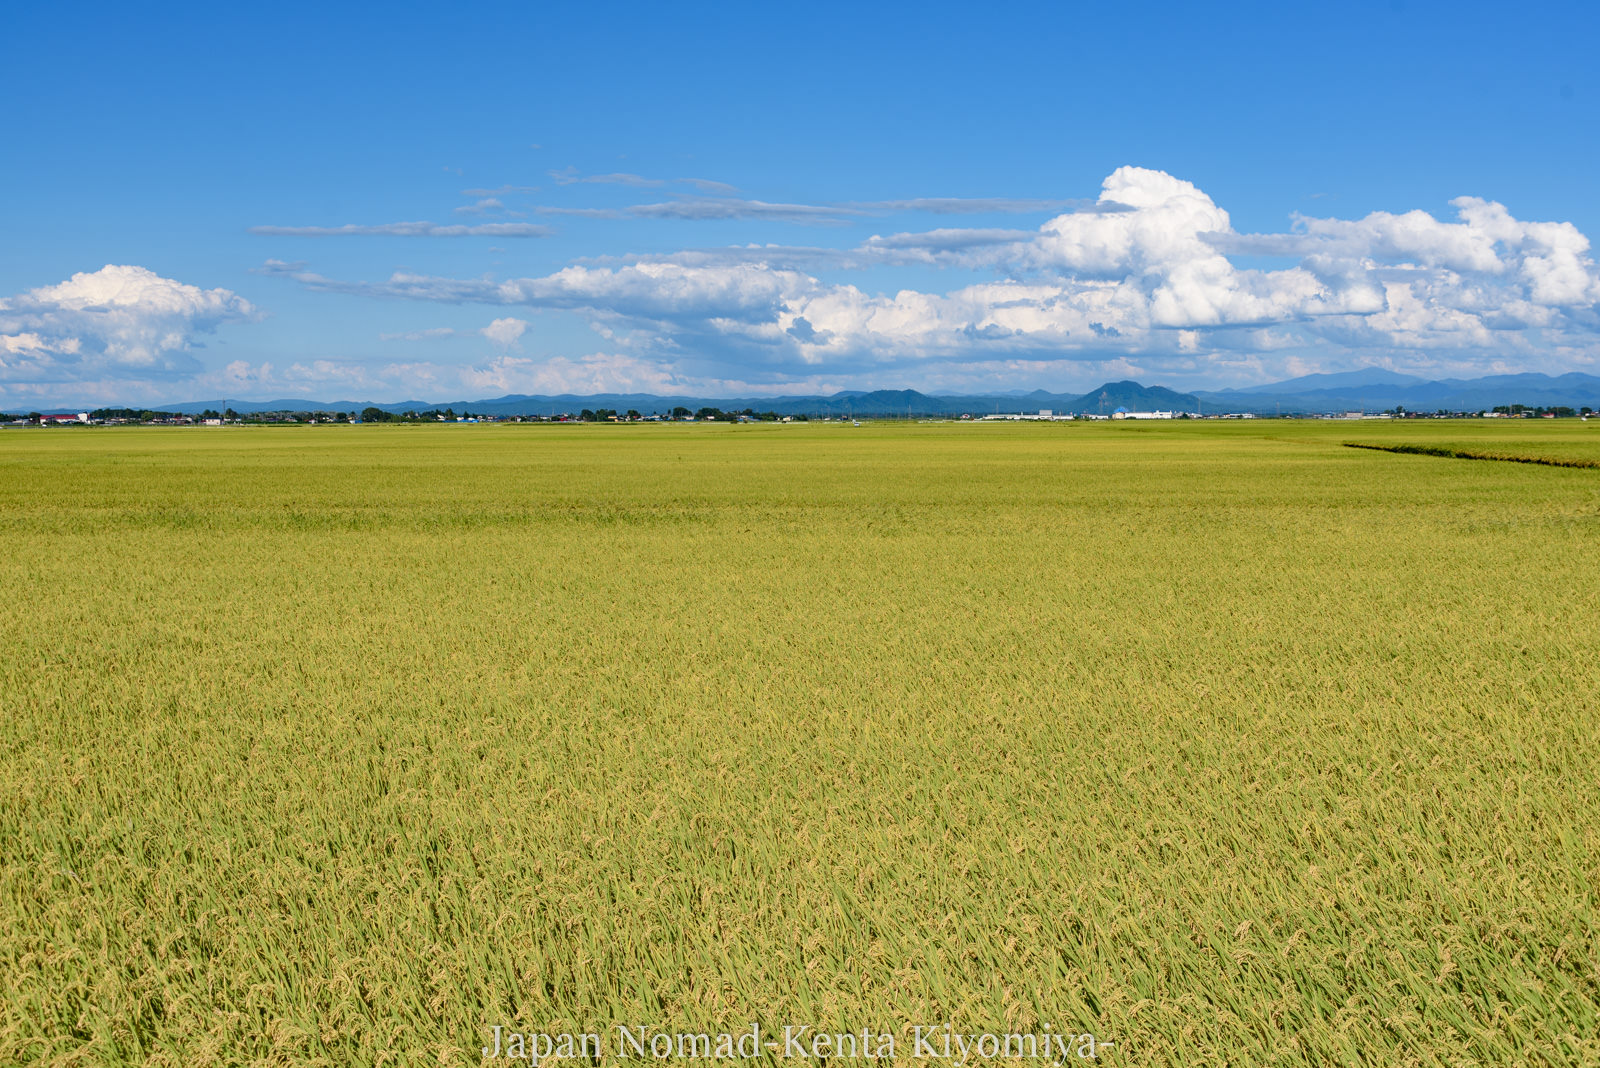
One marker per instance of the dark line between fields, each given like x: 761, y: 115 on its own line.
x: 1463, y: 454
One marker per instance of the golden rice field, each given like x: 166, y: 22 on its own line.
x: 1222, y: 742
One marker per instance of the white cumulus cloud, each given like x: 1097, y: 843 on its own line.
x: 114, y: 322
x: 505, y: 333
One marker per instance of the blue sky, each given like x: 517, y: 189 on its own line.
x: 200, y: 202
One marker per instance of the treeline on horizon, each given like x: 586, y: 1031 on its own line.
x: 704, y: 413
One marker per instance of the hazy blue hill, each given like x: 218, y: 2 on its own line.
x: 1109, y: 397
x: 1361, y: 378
x: 878, y: 402
x: 1386, y: 390
x: 1571, y: 389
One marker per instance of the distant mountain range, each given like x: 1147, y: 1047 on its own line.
x: 874, y: 404
x: 1370, y: 389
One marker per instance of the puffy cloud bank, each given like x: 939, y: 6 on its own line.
x: 1147, y: 278
x: 115, y: 323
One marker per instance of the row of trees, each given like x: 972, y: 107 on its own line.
x: 720, y: 416
x: 1560, y: 411
x: 601, y: 415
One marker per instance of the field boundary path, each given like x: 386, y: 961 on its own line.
x: 1464, y: 454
